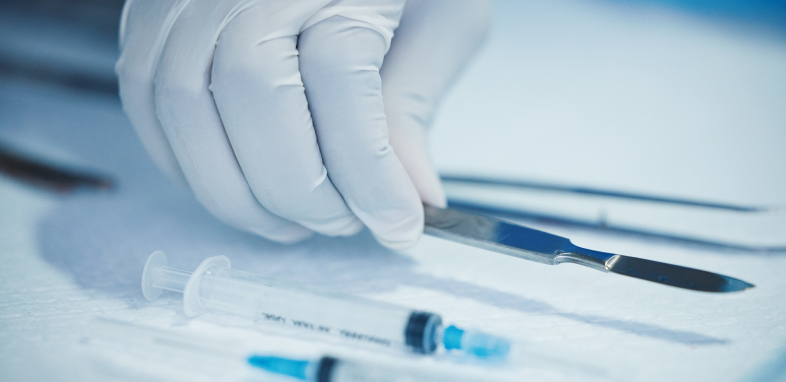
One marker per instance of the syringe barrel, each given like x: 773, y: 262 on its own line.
x: 250, y: 295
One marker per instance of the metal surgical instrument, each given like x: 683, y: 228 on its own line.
x: 582, y: 190
x: 531, y: 244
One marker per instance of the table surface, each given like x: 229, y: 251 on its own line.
x: 631, y: 98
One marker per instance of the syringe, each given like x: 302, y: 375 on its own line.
x: 213, y: 285
x: 330, y: 369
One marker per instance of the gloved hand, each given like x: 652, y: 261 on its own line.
x: 272, y: 110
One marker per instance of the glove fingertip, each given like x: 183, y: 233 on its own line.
x: 286, y: 235
x: 434, y: 196
x: 398, y: 245
x: 402, y: 235
x: 346, y: 226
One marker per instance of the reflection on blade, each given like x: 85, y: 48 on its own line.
x: 675, y: 275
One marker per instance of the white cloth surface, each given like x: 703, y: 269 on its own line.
x: 570, y: 91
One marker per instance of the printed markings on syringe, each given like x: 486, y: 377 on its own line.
x: 365, y: 337
x: 326, y: 329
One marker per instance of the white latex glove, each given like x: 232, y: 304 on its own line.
x: 272, y: 110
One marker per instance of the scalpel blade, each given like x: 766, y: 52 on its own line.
x: 531, y: 244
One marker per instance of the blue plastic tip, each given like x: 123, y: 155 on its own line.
x: 451, y: 338
x: 291, y: 367
x: 486, y: 346
x: 476, y: 343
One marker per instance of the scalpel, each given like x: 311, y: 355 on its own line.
x: 530, y: 244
